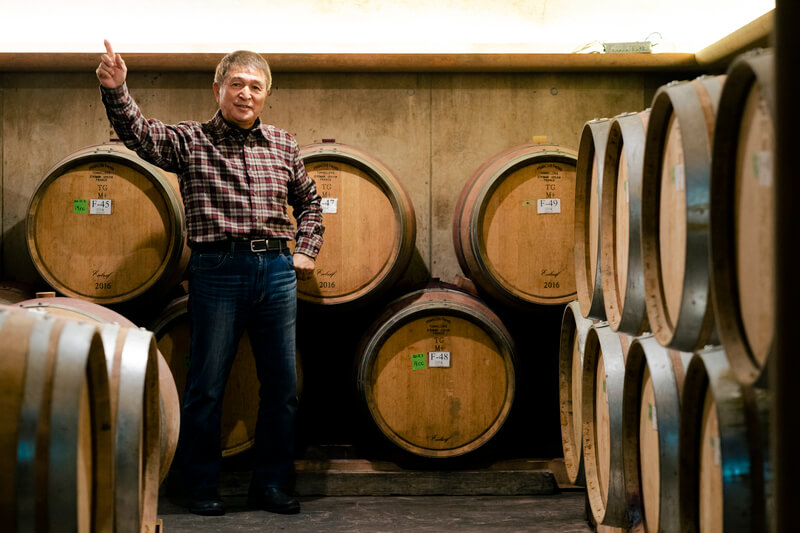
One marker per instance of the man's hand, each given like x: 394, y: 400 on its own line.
x: 112, y: 70
x: 303, y: 266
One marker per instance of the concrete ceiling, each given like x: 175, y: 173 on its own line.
x: 370, y: 26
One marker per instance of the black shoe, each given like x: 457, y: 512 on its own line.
x: 274, y: 500
x: 206, y: 502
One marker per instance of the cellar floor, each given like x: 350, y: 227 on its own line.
x: 563, y: 512
x: 366, y: 496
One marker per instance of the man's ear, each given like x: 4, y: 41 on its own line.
x: 215, y: 86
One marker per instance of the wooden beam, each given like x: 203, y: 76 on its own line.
x: 53, y: 62
x: 757, y: 33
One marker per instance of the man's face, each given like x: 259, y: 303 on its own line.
x: 241, y: 96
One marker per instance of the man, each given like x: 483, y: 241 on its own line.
x: 236, y: 176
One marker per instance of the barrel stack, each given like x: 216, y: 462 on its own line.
x: 686, y: 235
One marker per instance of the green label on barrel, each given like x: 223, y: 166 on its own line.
x: 80, y: 207
x: 417, y: 361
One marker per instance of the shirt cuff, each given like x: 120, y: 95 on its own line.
x: 308, y: 245
x: 117, y: 97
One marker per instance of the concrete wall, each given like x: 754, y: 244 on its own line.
x: 433, y: 130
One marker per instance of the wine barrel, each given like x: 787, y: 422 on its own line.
x: 169, y: 404
x: 106, y: 226
x: 132, y: 362
x: 725, y: 472
x: 574, y: 329
x: 650, y: 428
x: 621, y: 224
x: 370, y: 227
x: 514, y: 226
x: 675, y: 212
x: 436, y: 372
x: 743, y: 216
x: 240, y: 401
x: 588, y: 202
x: 601, y: 402
x: 56, y: 443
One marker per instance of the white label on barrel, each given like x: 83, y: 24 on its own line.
x: 548, y: 205
x: 439, y: 359
x: 715, y: 447
x: 99, y: 206
x: 762, y: 166
x: 329, y: 205
x: 679, y: 177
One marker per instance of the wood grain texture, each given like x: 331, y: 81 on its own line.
x: 672, y: 219
x: 710, y: 475
x: 574, y: 329
x: 649, y: 453
x: 675, y: 213
x: 515, y: 249
x: 743, y: 220
x: 437, y: 411
x: 360, y: 194
x: 474, y: 117
x: 145, y: 414
x: 651, y: 424
x: 64, y: 423
x: 358, y: 62
x: 137, y: 240
x: 723, y: 431
x: 754, y: 231
x: 621, y: 224
x: 76, y: 309
x: 602, y: 410
x: 588, y: 201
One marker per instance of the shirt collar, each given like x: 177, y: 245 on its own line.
x: 221, y: 126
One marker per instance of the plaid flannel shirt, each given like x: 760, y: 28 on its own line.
x: 235, y: 184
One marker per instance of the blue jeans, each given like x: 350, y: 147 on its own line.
x: 230, y: 292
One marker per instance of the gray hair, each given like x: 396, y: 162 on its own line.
x: 242, y: 58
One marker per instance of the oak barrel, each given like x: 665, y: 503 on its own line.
x: 514, y: 226
x: 621, y: 224
x: 169, y: 404
x: 675, y: 212
x: 574, y: 329
x: 436, y: 372
x: 743, y: 215
x: 370, y: 226
x: 135, y: 385
x: 588, y: 203
x: 56, y: 443
x: 650, y: 427
x: 725, y: 470
x: 240, y: 402
x: 106, y: 226
x: 601, y: 418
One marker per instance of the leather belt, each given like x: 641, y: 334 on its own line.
x: 254, y: 245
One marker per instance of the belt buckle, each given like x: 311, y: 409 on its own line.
x: 255, y: 243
